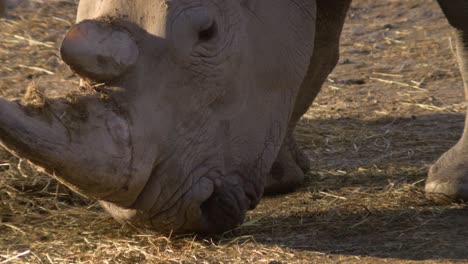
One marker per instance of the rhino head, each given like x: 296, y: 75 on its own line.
x: 187, y: 107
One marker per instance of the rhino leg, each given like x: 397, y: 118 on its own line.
x: 2, y: 8
x: 287, y: 172
x: 448, y: 177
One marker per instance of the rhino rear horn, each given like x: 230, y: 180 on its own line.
x: 99, y: 51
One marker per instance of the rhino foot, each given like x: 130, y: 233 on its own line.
x: 287, y: 172
x: 448, y: 177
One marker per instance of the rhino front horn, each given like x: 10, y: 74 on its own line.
x: 99, y: 51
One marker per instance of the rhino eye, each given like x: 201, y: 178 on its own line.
x: 209, y: 33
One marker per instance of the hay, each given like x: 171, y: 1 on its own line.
x: 391, y: 108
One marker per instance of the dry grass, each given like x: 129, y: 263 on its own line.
x: 391, y: 107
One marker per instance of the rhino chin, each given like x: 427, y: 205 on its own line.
x: 211, y: 205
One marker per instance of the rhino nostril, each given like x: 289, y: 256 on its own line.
x: 223, y: 210
x: 208, y: 33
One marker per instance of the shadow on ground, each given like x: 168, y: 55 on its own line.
x: 406, y: 233
x: 364, y: 195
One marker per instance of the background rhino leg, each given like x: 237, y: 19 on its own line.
x: 2, y: 8
x: 448, y: 177
x: 287, y: 172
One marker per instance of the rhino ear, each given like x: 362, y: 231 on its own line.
x: 249, y: 4
x: 193, y: 26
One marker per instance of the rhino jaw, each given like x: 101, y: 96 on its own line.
x: 91, y: 156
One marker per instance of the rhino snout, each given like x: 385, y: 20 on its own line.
x: 98, y: 50
x: 224, y: 209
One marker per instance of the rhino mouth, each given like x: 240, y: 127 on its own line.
x: 224, y: 209
x: 205, y: 200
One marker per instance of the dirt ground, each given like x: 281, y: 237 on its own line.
x: 393, y: 105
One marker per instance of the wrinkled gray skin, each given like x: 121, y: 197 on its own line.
x: 196, y: 116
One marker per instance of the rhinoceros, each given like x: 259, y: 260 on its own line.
x: 2, y: 8
x: 188, y: 108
